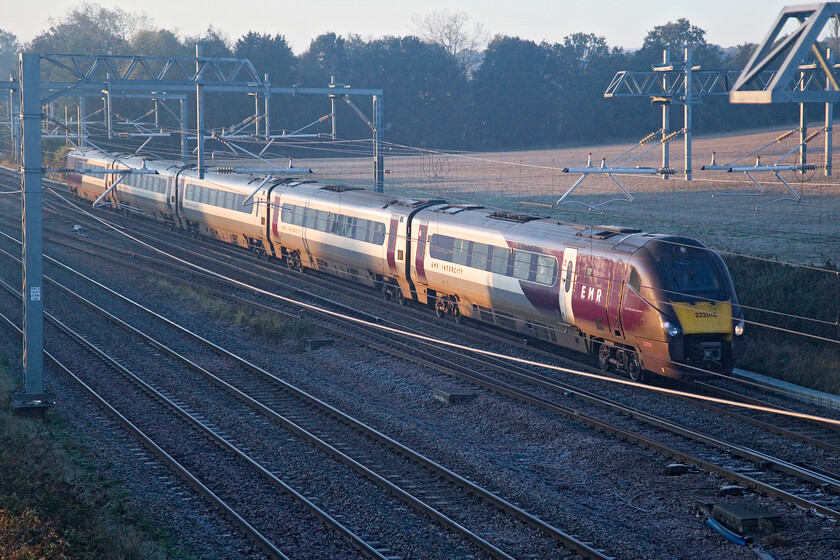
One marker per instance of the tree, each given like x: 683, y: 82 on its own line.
x: 586, y: 49
x: 214, y: 44
x: 89, y: 29
x: 452, y: 31
x: 271, y: 55
x: 673, y: 36
x: 158, y: 42
x: 9, y: 49
x: 509, y: 94
x: 739, y: 60
x: 325, y: 58
x: 425, y: 89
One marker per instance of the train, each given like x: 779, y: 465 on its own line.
x: 638, y: 303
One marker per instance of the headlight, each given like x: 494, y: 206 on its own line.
x: 739, y: 328
x: 672, y: 329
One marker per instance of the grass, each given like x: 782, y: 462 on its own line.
x: 801, y: 351
x: 268, y: 325
x: 53, y: 503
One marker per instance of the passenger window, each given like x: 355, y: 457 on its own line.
x: 379, y: 233
x: 546, y: 270
x: 320, y: 220
x: 349, y: 227
x: 479, y: 256
x: 442, y: 247
x: 286, y: 214
x: 362, y: 230
x: 501, y: 256
x: 460, y: 253
x: 522, y: 265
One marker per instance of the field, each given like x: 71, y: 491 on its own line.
x: 804, y: 232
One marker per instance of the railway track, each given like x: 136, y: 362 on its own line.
x: 187, y: 457
x: 443, y: 496
x: 748, y: 473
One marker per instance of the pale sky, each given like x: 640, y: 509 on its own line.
x: 623, y: 23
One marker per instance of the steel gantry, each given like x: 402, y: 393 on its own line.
x: 666, y: 84
x: 790, y: 68
x: 45, y: 78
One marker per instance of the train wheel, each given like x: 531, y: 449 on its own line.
x: 458, y: 317
x: 386, y: 292
x: 440, y: 311
x: 604, y: 353
x: 400, y: 298
x: 634, y: 369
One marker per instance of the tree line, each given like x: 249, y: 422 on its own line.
x: 513, y: 93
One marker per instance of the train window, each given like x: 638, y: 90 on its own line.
x: 287, y: 213
x: 321, y: 220
x: 349, y: 227
x: 546, y: 270
x: 379, y: 233
x: 441, y: 247
x: 635, y: 280
x: 203, y: 194
x: 569, y: 274
x: 691, y: 277
x: 461, y: 252
x: 501, y: 256
x: 310, y: 218
x: 522, y: 265
x: 362, y: 230
x: 479, y: 256
x: 336, y: 224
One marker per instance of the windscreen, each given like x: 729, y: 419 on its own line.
x: 692, y: 276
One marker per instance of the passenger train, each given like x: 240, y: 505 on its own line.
x: 639, y: 302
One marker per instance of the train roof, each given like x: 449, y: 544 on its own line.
x: 536, y: 230
x: 520, y: 227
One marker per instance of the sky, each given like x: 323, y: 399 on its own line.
x: 622, y: 23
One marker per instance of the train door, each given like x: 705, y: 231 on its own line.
x: 175, y: 204
x: 567, y: 281
x: 614, y: 299
x: 420, y: 251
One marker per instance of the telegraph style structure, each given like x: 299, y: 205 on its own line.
x: 789, y: 69
x: 160, y: 80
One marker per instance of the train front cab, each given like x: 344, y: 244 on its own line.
x: 681, y: 308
